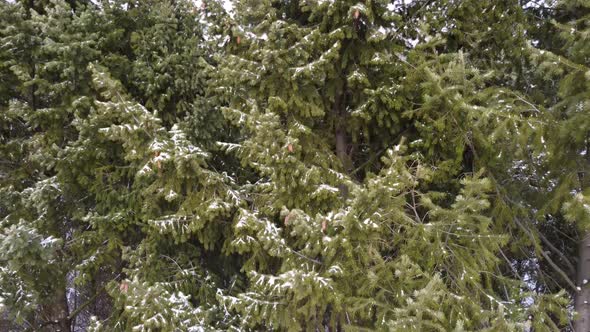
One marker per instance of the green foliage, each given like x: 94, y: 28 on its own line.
x: 296, y: 165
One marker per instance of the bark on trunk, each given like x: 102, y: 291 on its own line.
x: 56, y: 313
x: 340, y: 131
x: 341, y: 148
x: 341, y: 138
x: 582, y: 298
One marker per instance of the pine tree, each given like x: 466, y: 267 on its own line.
x: 49, y: 53
x: 512, y: 147
x: 106, y: 178
x: 297, y: 165
x: 165, y: 201
x: 565, y: 62
x: 306, y: 82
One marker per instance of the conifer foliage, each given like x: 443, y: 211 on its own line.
x: 293, y: 165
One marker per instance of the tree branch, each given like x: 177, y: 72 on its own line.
x: 547, y: 258
x: 87, y: 303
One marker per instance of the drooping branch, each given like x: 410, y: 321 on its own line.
x: 543, y: 253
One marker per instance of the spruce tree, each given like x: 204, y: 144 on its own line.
x: 94, y: 178
x: 305, y: 82
x: 49, y: 48
x: 565, y: 62
x: 297, y: 165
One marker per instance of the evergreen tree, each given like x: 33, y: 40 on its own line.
x: 296, y: 165
x: 49, y: 53
x: 163, y: 205
x: 306, y: 81
x: 76, y: 144
x: 565, y: 154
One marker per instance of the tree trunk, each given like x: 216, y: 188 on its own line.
x: 340, y: 130
x: 341, y: 138
x: 582, y: 298
x: 341, y: 148
x: 56, y: 313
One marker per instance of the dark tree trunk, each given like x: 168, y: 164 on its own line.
x: 341, y: 139
x: 56, y: 314
x: 582, y: 298
x: 338, y: 111
x: 341, y: 148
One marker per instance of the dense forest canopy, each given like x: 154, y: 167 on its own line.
x: 294, y: 165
